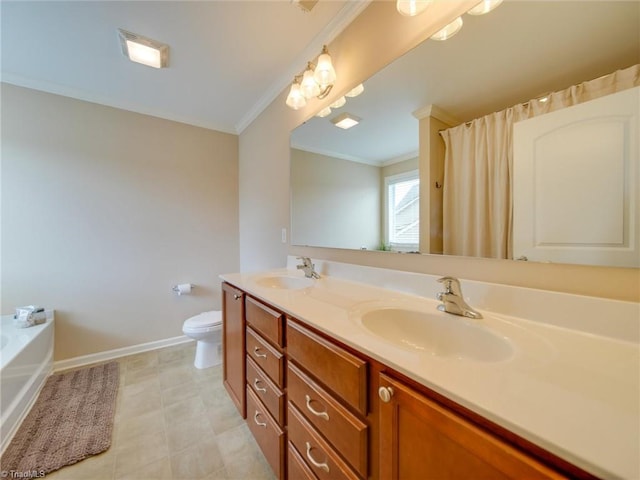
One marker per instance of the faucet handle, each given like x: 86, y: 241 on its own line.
x: 306, y: 261
x: 451, y: 285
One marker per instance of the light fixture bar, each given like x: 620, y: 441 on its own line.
x: 143, y: 50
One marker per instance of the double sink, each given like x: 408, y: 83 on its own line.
x: 410, y: 326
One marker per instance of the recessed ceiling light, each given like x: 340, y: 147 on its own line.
x: 345, y: 120
x: 143, y: 50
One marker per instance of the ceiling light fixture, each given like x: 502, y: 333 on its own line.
x: 143, y: 50
x: 316, y: 81
x: 485, y: 6
x: 448, y: 31
x: 411, y: 8
x: 345, y: 121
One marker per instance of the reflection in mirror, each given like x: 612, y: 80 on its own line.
x: 521, y: 51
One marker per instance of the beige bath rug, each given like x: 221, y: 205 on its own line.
x: 72, y: 419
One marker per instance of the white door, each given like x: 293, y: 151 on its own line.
x: 576, y: 184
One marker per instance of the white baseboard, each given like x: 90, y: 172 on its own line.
x: 117, y: 353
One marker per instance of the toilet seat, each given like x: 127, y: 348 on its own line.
x: 203, y: 322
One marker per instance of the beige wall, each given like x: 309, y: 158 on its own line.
x: 335, y: 202
x: 104, y: 210
x: 374, y: 39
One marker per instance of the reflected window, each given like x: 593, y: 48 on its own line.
x: 402, y: 227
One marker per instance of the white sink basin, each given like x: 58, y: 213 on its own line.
x: 287, y: 282
x: 437, y: 334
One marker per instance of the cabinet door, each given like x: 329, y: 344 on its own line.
x: 233, y: 338
x: 422, y: 440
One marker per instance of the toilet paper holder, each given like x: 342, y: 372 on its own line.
x: 183, y: 288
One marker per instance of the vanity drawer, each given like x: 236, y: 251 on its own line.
x: 342, y: 429
x: 265, y: 320
x: 271, y: 396
x: 340, y: 371
x: 297, y: 469
x: 318, y: 455
x: 268, y: 434
x: 266, y: 357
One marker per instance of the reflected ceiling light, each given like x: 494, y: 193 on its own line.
x: 485, y: 6
x: 355, y: 91
x: 338, y: 103
x: 345, y: 121
x: 143, y: 50
x: 411, y: 8
x: 316, y: 81
x: 296, y: 99
x: 448, y: 31
x: 324, y: 112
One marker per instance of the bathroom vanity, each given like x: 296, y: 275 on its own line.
x: 336, y: 379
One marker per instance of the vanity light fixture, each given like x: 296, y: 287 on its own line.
x: 339, y: 103
x: 316, y: 81
x: 485, y: 6
x: 296, y: 99
x: 448, y: 31
x: 345, y: 121
x: 326, y: 111
x: 143, y: 50
x: 354, y: 92
x: 411, y: 8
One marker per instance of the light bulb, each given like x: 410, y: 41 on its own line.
x: 296, y: 99
x: 448, y: 31
x: 324, y: 74
x: 324, y: 112
x: 355, y: 91
x: 309, y: 86
x: 411, y: 8
x: 485, y: 6
x: 338, y: 103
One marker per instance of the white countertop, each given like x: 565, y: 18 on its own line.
x: 573, y: 392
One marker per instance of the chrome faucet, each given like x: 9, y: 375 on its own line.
x: 452, y: 299
x: 308, y: 268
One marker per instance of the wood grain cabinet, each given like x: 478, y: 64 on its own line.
x: 421, y: 440
x: 233, y: 345
x: 265, y: 377
x: 327, y: 405
x: 320, y: 410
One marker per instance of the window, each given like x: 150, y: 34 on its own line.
x: 403, y: 211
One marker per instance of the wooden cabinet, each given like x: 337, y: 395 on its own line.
x: 265, y: 377
x: 320, y: 410
x: 233, y: 345
x: 421, y: 440
x: 327, y: 398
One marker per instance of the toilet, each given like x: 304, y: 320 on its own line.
x: 206, y: 329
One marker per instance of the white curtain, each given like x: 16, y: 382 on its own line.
x: 477, y: 201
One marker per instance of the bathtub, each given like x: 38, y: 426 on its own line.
x: 26, y: 359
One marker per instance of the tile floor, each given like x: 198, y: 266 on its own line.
x: 173, y: 421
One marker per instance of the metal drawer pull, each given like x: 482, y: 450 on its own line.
x: 324, y: 415
x: 261, y: 355
x: 323, y: 466
x: 259, y: 389
x: 236, y: 296
x: 255, y: 419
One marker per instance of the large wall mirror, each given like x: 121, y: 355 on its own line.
x: 360, y: 188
